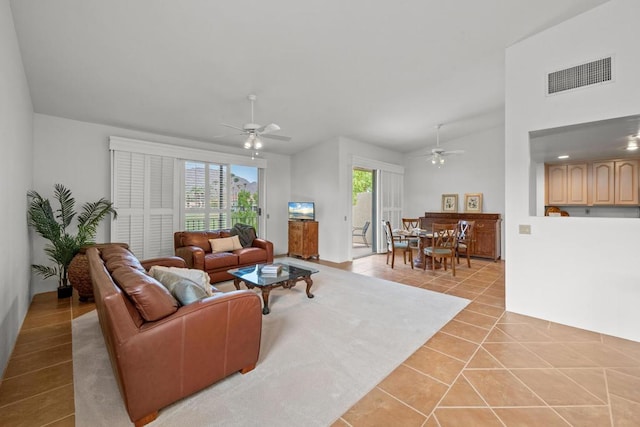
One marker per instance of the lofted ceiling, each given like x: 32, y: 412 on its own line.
x: 381, y: 72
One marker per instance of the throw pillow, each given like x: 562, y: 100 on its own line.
x: 225, y: 244
x: 164, y: 276
x: 187, y: 292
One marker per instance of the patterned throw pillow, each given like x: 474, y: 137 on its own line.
x: 164, y: 276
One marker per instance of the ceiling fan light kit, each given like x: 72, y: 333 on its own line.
x: 438, y: 154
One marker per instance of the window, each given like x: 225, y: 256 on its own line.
x: 219, y: 196
x: 158, y: 189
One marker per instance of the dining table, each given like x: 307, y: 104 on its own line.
x: 424, y: 239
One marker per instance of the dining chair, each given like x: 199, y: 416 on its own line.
x: 408, y: 224
x: 466, y: 239
x: 443, y: 245
x: 361, y: 232
x: 394, y: 246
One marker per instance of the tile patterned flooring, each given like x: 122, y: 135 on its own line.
x: 486, y: 367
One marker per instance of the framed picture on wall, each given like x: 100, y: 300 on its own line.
x: 473, y: 202
x: 449, y: 203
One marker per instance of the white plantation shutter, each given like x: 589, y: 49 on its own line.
x: 144, y: 196
x: 161, y: 207
x: 128, y: 198
x: 219, y: 217
x: 206, y: 191
x: 391, y: 190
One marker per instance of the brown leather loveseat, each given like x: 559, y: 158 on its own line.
x: 160, y: 351
x: 195, y: 248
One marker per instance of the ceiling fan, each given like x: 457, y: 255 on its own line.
x: 438, y: 154
x: 254, y: 131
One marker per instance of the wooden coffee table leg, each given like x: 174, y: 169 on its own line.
x: 265, y: 299
x: 236, y: 283
x: 309, y: 282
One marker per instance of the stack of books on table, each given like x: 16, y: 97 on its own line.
x: 271, y: 269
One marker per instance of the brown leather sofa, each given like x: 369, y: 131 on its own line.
x: 195, y: 249
x: 162, y: 352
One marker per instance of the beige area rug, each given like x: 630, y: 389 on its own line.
x: 318, y: 356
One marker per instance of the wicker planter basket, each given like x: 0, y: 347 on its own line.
x: 78, y: 272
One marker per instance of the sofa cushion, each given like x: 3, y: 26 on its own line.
x: 113, y: 249
x: 220, y: 260
x: 197, y: 238
x: 115, y: 260
x: 152, y: 300
x: 187, y: 292
x: 251, y: 256
x: 115, y: 256
x: 168, y: 276
x: 225, y: 244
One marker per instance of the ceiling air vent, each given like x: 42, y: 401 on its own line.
x: 581, y: 75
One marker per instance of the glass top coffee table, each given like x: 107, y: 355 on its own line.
x: 287, y: 278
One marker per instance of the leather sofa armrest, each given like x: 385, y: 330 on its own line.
x: 192, y: 348
x: 266, y: 245
x: 192, y: 255
x: 242, y: 298
x: 169, y: 261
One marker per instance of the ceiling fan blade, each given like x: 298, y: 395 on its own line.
x: 226, y: 135
x: 454, y: 152
x: 278, y: 137
x: 232, y: 127
x: 268, y: 128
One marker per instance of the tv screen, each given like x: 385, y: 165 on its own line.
x: 301, y: 211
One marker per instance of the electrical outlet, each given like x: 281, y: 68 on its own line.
x: 524, y: 229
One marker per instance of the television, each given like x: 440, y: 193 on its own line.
x: 302, y: 211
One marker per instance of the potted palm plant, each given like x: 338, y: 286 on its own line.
x: 52, y: 225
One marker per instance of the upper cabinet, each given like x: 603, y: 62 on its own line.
x: 567, y: 184
x: 604, y: 183
x: 615, y: 182
x: 607, y: 182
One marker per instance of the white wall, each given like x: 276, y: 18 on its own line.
x: 16, y: 142
x: 315, y: 178
x: 479, y: 170
x: 278, y: 180
x: 76, y: 154
x: 323, y: 174
x: 581, y: 271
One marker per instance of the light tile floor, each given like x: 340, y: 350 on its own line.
x: 486, y: 367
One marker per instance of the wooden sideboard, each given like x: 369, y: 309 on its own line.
x: 487, y: 230
x: 303, y: 239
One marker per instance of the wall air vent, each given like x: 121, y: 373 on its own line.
x: 581, y: 75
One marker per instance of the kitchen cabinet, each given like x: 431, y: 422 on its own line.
x: 615, y: 182
x: 567, y: 184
